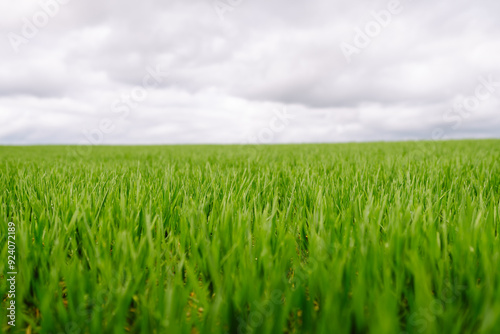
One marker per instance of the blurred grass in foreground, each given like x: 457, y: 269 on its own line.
x: 347, y: 238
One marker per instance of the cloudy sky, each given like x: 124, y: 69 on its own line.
x: 248, y: 71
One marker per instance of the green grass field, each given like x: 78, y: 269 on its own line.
x: 348, y: 238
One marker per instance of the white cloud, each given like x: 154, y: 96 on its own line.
x: 226, y: 78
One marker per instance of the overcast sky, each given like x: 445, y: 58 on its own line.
x: 248, y: 71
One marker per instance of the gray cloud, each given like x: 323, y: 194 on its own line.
x: 228, y: 77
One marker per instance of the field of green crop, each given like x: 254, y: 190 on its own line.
x: 348, y: 238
